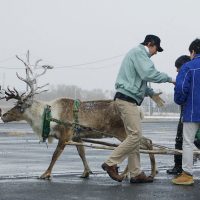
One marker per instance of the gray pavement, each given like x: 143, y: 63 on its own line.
x: 72, y: 187
x: 23, y: 159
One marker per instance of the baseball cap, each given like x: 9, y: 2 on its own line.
x: 154, y: 40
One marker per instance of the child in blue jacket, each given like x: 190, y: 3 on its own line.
x: 177, y: 169
x: 187, y: 94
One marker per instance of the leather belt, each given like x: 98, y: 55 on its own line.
x: 124, y: 97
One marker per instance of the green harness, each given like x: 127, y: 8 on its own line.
x: 198, y: 135
x: 46, y: 122
x: 47, y: 119
x: 76, y: 127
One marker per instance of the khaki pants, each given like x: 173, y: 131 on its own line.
x: 130, y: 115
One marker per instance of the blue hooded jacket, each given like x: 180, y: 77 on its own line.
x: 187, y: 90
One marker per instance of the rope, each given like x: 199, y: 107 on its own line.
x: 77, y: 128
x: 47, y: 118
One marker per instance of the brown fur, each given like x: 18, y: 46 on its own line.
x: 100, y: 115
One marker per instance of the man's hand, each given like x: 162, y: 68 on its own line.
x: 158, y: 100
x: 173, y: 81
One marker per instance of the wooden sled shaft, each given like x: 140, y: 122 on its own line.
x: 154, y: 151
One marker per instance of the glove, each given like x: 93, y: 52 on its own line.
x: 157, y: 99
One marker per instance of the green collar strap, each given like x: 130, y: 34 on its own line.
x: 46, y: 122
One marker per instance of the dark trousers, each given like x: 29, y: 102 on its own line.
x: 179, y: 143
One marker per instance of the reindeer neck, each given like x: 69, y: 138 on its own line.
x: 33, y: 114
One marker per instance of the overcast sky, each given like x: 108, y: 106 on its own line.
x: 65, y: 33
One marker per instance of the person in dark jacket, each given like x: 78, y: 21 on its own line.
x: 187, y: 94
x: 177, y: 169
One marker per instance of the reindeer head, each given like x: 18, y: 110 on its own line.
x: 24, y: 100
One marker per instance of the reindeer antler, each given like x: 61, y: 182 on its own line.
x: 11, y: 94
x: 27, y: 64
x: 36, y: 63
x: 30, y: 80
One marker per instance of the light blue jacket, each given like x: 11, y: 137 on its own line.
x: 136, y: 70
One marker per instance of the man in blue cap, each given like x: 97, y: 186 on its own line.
x: 136, y: 71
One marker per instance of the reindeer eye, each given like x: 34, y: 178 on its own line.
x: 20, y: 108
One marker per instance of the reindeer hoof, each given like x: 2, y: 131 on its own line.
x: 45, y: 176
x: 86, y: 174
x: 125, y: 176
x: 154, y: 173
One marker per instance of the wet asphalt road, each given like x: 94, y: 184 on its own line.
x: 23, y: 159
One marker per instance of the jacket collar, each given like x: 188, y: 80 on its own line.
x: 196, y: 56
x: 145, y: 50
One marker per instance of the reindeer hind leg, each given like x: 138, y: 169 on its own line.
x: 81, y: 151
x: 146, y: 144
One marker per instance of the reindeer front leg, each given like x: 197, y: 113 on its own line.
x: 59, y: 149
x: 81, y: 152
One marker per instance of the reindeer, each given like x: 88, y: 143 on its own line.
x: 100, y: 115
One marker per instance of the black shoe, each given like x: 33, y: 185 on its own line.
x: 175, y: 170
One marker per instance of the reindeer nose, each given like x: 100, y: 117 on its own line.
x: 3, y: 117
